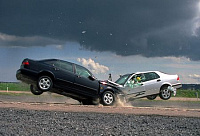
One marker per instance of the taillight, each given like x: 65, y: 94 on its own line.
x: 178, y: 78
x: 25, y: 63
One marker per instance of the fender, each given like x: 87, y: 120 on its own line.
x: 166, y: 83
x: 115, y: 90
x: 46, y: 72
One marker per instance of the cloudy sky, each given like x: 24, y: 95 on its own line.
x: 106, y: 36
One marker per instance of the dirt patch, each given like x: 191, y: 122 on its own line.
x: 67, y: 105
x: 103, y: 109
x: 171, y: 99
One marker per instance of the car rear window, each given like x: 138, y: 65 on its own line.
x: 151, y: 76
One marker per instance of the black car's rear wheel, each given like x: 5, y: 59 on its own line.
x: 152, y: 97
x: 44, y: 83
x: 108, y: 98
x: 35, y: 90
x: 165, y: 93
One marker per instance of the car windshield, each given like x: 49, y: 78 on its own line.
x: 122, y: 79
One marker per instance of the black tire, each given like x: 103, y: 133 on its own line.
x: 35, y: 90
x: 152, y: 97
x: 165, y: 93
x: 108, y: 98
x: 44, y: 83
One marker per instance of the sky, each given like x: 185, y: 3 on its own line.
x: 106, y: 36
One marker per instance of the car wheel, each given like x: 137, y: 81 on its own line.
x: 108, y: 98
x: 44, y: 83
x: 35, y: 90
x: 152, y: 97
x: 165, y: 93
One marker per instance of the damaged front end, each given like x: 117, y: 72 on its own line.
x: 108, y: 85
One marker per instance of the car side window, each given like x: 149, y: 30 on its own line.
x: 135, y: 81
x: 51, y: 62
x: 151, y: 76
x: 66, y: 66
x: 83, y: 72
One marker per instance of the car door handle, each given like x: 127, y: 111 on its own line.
x: 56, y: 69
x: 78, y: 76
x: 158, y: 80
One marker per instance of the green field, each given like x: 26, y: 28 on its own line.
x: 188, y: 93
x: 24, y: 87
x: 15, y: 86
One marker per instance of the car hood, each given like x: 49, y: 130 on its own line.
x: 111, y: 83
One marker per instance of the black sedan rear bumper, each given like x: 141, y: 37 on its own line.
x: 23, y: 76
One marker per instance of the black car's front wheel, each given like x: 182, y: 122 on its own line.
x: 108, y: 98
x: 44, y: 83
x: 35, y: 90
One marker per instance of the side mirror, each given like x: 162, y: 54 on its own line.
x: 91, y: 78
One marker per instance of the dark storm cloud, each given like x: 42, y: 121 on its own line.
x: 127, y: 27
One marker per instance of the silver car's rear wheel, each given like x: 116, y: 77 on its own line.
x: 45, y: 83
x: 108, y: 98
x: 165, y: 93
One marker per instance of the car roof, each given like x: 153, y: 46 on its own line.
x: 142, y: 72
x: 62, y: 60
x: 146, y: 72
x: 55, y: 60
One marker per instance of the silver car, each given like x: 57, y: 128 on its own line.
x: 148, y: 84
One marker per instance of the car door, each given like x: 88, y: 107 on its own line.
x: 64, y: 74
x: 134, y: 86
x: 152, y: 83
x: 85, y: 82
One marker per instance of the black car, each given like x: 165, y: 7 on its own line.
x: 67, y: 79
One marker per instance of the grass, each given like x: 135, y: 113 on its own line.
x: 14, y: 86
x: 14, y: 94
x: 25, y: 87
x: 188, y: 93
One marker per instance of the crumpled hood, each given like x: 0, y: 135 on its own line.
x: 110, y: 83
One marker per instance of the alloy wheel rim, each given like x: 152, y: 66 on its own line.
x: 44, y: 83
x: 108, y: 98
x: 166, y: 93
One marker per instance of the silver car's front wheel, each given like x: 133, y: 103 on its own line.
x: 165, y: 93
x: 152, y: 97
x: 45, y: 83
x: 108, y: 98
